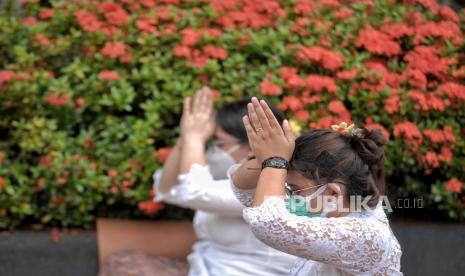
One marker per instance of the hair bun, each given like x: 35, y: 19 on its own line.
x: 370, y: 146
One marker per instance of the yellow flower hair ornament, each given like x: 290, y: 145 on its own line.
x: 349, y: 130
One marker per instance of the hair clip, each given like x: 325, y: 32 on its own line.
x: 345, y: 129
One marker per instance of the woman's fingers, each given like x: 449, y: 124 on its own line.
x: 261, y: 114
x: 186, y: 110
x: 269, y: 114
x: 290, y: 136
x: 198, y: 98
x: 251, y: 135
x: 253, y: 118
x: 208, y: 103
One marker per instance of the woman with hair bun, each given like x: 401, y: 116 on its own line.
x: 302, y: 196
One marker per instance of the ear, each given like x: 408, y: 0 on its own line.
x: 335, y: 189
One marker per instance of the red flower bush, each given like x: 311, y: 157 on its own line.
x: 90, y: 92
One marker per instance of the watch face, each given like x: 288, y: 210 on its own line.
x: 277, y: 162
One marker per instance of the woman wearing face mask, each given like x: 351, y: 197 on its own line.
x: 195, y: 177
x: 339, y: 164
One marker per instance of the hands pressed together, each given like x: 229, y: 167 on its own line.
x: 198, y: 120
x: 266, y: 137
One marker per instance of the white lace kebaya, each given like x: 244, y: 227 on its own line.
x: 360, y: 243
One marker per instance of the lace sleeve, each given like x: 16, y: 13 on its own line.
x: 244, y: 196
x: 353, y: 244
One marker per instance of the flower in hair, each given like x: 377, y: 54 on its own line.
x: 345, y: 129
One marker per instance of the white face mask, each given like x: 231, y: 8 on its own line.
x: 220, y: 160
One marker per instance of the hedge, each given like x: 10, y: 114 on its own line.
x: 91, y: 92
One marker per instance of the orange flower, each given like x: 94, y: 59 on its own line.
x: 115, y: 50
x: 46, y: 13
x: 150, y: 207
x: 109, y: 75
x: 409, y: 131
x: 56, y: 99
x: 454, y: 185
x: 215, y: 52
x: 112, y: 173
x: 337, y: 107
x: 2, y: 157
x: 269, y: 88
x: 162, y: 154
x: 114, y: 14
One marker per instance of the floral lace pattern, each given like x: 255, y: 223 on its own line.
x: 360, y: 243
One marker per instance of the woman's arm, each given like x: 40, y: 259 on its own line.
x: 246, y: 176
x: 169, y: 175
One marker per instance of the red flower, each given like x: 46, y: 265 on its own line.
x: 269, y: 88
x: 291, y: 103
x: 319, y: 55
x: 426, y: 60
x: 163, y: 153
x: 6, y: 75
x: 453, y: 90
x: 190, y: 37
x: 431, y: 159
x: 454, y: 185
x: 446, y: 154
x: 449, y: 136
x: 343, y: 13
x: 434, y: 135
x: 302, y: 115
x: 30, y: 21
x: 87, y: 21
x: 114, y: 13
x: 347, y: 74
x: 215, y: 52
x: 56, y: 99
x: 427, y: 101
x: 319, y: 83
x: 337, y: 107
x: 150, y: 207
x: 445, y: 30
x: 392, y: 104
x: 46, y: 13
x: 396, y: 30
x: 409, y: 131
x: 146, y: 25
x: 109, y: 75
x: 116, y: 50
x: 448, y: 14
x: 112, y: 173
x: 416, y: 78
x: 303, y: 7
x: 377, y: 42
x: 2, y: 182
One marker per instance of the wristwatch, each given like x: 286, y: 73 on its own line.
x: 276, y: 162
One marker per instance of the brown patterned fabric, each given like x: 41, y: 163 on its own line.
x: 137, y: 263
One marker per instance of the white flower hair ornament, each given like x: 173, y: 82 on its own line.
x: 348, y: 130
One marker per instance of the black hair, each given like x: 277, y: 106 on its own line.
x: 229, y: 117
x: 326, y: 156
